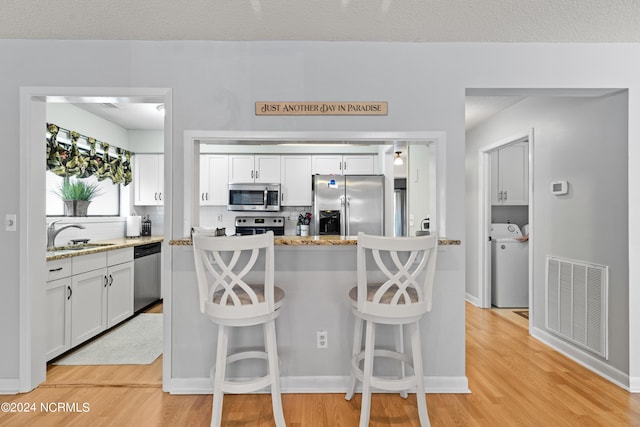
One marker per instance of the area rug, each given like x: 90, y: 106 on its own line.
x: 136, y: 342
x: 522, y: 313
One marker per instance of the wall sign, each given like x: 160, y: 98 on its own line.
x: 321, y: 108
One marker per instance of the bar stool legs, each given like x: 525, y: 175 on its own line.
x: 416, y: 348
x: 367, y: 371
x: 219, y: 375
x: 274, y: 372
x: 222, y: 358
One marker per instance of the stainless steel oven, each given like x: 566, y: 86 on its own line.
x: 254, y: 197
x: 246, y: 225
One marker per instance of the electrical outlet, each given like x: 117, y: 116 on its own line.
x: 323, y: 339
x: 220, y: 218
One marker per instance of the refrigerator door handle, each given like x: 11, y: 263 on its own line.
x: 347, y: 216
x: 343, y: 216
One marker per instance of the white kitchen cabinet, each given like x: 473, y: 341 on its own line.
x: 339, y: 164
x: 214, y: 179
x: 295, y: 180
x: 260, y: 168
x: 148, y: 179
x: 97, y: 296
x: 87, y: 302
x: 510, y: 175
x: 118, y: 303
x: 58, y: 315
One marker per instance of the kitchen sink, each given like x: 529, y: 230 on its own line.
x: 78, y: 247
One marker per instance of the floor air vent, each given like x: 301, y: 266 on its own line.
x: 577, y: 303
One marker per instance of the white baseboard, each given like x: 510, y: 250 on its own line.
x: 472, y: 299
x: 634, y: 384
x: 590, y: 362
x: 9, y: 385
x: 321, y: 384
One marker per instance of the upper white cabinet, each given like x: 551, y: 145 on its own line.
x: 214, y: 179
x: 347, y: 164
x: 510, y: 175
x: 261, y: 168
x: 148, y: 179
x: 295, y: 180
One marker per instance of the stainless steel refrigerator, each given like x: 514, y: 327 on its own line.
x: 348, y: 204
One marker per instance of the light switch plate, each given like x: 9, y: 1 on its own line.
x: 10, y: 222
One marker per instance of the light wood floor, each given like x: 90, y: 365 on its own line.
x: 514, y: 379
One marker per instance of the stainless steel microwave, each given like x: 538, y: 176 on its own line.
x: 254, y: 197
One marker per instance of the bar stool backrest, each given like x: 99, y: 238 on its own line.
x: 396, y: 275
x: 222, y: 265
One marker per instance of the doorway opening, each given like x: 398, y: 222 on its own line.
x: 505, y: 251
x: 33, y: 363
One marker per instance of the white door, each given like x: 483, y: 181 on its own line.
x: 58, y: 326
x: 267, y: 169
x: 148, y: 179
x: 326, y: 164
x: 358, y: 164
x: 87, y: 301
x: 514, y: 172
x: 241, y: 168
x: 120, y: 293
x: 296, y: 180
x: 214, y: 179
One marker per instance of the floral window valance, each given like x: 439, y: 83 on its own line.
x: 69, y: 159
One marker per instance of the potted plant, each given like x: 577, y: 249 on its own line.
x: 76, y: 195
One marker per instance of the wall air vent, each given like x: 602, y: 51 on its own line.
x: 577, y: 301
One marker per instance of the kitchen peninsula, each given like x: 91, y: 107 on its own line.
x: 316, y: 273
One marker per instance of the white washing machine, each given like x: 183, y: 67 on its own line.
x: 509, y: 267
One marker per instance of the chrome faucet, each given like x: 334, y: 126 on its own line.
x: 52, y: 232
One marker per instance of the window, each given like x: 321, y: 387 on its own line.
x: 106, y: 204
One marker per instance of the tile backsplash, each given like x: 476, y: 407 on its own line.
x: 95, y: 228
x: 219, y: 217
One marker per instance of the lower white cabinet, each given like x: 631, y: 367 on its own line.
x: 58, y: 309
x: 119, y: 299
x: 97, y: 295
x: 87, y: 301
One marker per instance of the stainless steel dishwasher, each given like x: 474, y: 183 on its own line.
x: 146, y: 275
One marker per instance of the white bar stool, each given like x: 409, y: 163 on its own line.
x: 396, y: 290
x: 221, y: 266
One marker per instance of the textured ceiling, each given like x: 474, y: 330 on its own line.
x: 331, y: 20
x: 575, y: 21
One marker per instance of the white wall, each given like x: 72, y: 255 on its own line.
x: 215, y: 85
x: 146, y: 141
x: 71, y: 117
x: 582, y: 140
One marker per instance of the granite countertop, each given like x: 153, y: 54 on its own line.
x: 109, y: 245
x: 313, y: 241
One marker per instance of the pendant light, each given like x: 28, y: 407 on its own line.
x: 397, y: 160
